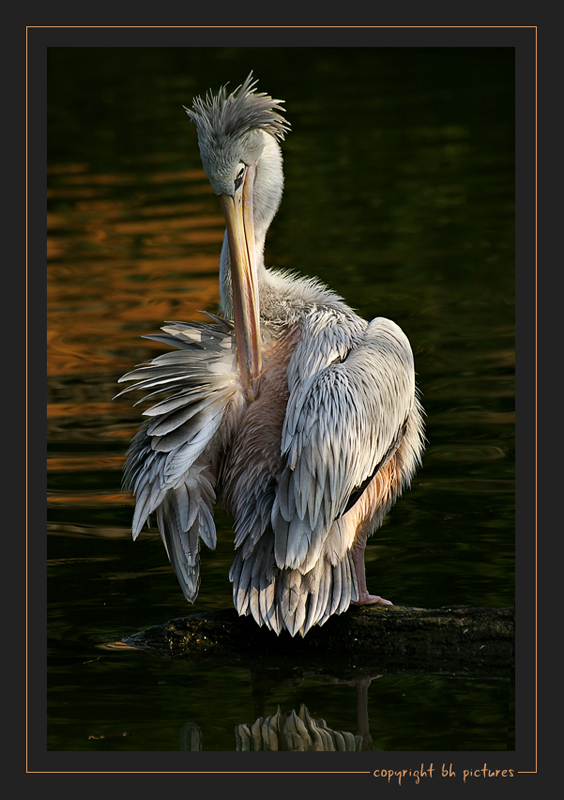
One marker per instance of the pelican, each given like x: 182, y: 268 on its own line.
x: 302, y: 417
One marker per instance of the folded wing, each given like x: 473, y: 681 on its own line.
x: 342, y: 424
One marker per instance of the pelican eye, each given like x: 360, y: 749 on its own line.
x: 240, y: 175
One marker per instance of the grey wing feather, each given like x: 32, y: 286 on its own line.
x: 341, y: 424
x: 183, y: 519
x: 168, y: 466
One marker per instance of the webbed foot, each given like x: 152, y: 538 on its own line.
x: 366, y: 599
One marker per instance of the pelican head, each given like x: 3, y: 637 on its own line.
x: 237, y: 136
x: 231, y: 132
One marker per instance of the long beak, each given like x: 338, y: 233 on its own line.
x: 238, y: 213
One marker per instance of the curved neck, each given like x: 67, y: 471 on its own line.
x: 267, y: 194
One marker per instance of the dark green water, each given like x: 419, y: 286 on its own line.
x: 400, y: 195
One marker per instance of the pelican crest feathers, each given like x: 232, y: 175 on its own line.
x: 222, y: 116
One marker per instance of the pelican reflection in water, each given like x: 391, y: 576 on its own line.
x: 298, y: 414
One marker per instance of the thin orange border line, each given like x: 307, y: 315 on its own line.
x: 535, y: 27
x: 535, y: 770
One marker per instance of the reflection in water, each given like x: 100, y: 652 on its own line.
x: 190, y: 737
x: 297, y: 732
x: 104, y: 256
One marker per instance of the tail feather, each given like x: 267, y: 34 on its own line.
x: 286, y: 599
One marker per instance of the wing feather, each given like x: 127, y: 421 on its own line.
x: 341, y: 423
x: 169, y: 463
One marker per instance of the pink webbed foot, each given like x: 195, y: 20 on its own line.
x: 366, y: 599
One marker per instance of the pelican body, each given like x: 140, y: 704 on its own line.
x: 299, y: 415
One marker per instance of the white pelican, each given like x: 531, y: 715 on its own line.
x: 300, y: 415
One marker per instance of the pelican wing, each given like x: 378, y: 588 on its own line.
x: 343, y: 422
x: 169, y: 465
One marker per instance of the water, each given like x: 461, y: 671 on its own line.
x: 399, y: 194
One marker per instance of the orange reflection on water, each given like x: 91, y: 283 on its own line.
x: 126, y: 252
x: 85, y: 499
x: 87, y: 463
x: 61, y: 410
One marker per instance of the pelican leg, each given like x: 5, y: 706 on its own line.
x: 364, y: 598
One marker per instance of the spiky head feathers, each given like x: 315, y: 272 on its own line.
x: 231, y: 129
